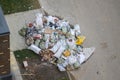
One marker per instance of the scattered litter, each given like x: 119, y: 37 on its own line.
x: 22, y: 32
x: 34, y: 48
x: 60, y: 67
x: 80, y: 40
x: 77, y: 30
x: 72, y: 59
x: 25, y: 63
x: 66, y: 53
x: 56, y: 41
x: 39, y: 22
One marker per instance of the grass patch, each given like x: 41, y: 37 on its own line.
x: 22, y: 54
x: 63, y: 78
x: 12, y: 6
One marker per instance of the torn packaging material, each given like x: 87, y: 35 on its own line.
x: 66, y: 53
x: 80, y: 40
x: 47, y: 43
x: 59, y: 52
x: 72, y: 31
x: 72, y: 59
x: 83, y: 56
x: 37, y: 36
x: 71, y: 43
x: 48, y: 31
x: 51, y: 19
x: 34, y: 48
x: 31, y: 29
x: 65, y: 26
x: 29, y: 40
x: 88, y: 52
x: 56, y: 47
x: 76, y: 64
x: 22, y: 32
x: 25, y: 63
x: 60, y: 67
x: 39, y: 21
x: 77, y: 29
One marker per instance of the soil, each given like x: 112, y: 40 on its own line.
x: 38, y: 70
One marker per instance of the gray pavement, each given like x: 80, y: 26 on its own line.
x: 16, y: 75
x: 100, y: 22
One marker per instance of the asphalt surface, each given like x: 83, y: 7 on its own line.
x: 100, y: 23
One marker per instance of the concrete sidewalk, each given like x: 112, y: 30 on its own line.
x: 16, y: 22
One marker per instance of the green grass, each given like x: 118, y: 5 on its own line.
x: 22, y: 54
x: 63, y: 78
x: 12, y: 6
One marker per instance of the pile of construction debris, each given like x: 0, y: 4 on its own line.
x: 56, y: 41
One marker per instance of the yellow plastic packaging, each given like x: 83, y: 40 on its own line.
x: 80, y: 40
x: 66, y: 53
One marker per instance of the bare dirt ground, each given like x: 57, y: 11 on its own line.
x: 38, y: 70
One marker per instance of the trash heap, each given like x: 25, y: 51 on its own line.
x: 56, y: 41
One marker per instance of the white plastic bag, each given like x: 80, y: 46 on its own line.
x: 64, y: 23
x: 58, y: 54
x: 65, y: 63
x: 34, y: 48
x: 39, y: 21
x: 60, y: 67
x: 77, y: 29
x: 88, y: 52
x: 47, y: 43
x: 81, y: 57
x: 51, y: 19
x: 56, y: 47
x: 72, y: 31
x: 72, y: 59
x: 71, y: 43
